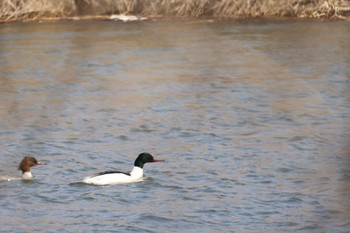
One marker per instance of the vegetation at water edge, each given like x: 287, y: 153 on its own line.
x: 12, y: 10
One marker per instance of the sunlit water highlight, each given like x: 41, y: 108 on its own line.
x: 252, y: 118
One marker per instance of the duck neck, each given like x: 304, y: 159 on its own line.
x: 136, y: 172
x: 27, y: 175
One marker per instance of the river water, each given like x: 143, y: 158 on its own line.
x: 251, y: 116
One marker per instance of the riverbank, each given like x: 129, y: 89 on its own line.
x: 32, y: 10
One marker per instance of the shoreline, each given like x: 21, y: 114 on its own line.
x: 58, y: 10
x: 155, y: 18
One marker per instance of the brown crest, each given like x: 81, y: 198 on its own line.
x: 26, y: 163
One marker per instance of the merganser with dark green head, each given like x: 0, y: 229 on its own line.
x: 116, y: 177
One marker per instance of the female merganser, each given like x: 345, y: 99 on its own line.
x: 116, y: 177
x: 25, y: 166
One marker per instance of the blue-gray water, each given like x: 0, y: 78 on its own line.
x: 252, y: 118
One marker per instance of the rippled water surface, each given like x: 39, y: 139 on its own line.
x: 252, y: 118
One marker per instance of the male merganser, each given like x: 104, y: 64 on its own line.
x: 25, y: 165
x: 116, y: 177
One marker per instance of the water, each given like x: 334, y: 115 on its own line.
x: 252, y: 118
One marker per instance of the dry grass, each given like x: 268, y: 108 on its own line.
x: 41, y: 9
x: 35, y: 9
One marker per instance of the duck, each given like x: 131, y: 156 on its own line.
x: 25, y: 165
x: 117, y: 177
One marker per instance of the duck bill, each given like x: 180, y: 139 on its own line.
x: 158, y: 160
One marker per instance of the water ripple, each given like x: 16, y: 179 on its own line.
x: 253, y: 130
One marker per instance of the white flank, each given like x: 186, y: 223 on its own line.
x: 116, y: 178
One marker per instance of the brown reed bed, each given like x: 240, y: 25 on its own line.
x: 24, y: 10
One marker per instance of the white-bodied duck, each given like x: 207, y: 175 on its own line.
x: 116, y: 177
